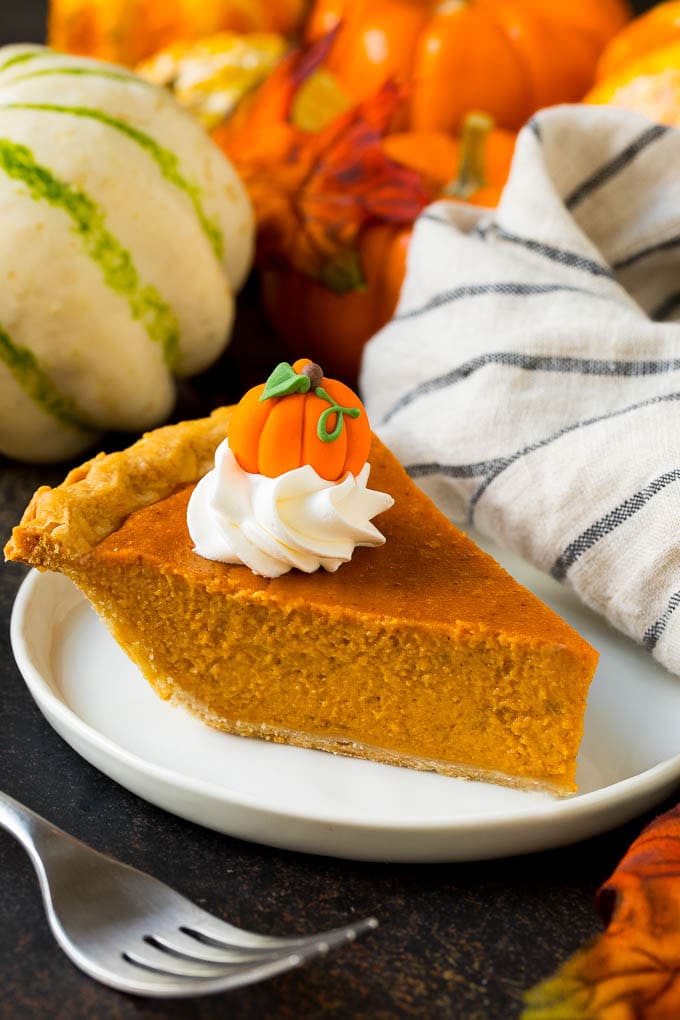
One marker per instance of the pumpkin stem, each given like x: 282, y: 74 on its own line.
x: 472, y: 166
x: 314, y: 373
x: 343, y: 273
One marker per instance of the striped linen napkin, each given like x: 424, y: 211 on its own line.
x: 530, y: 380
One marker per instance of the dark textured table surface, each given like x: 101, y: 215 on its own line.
x: 460, y: 940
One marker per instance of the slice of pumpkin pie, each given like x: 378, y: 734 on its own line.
x: 236, y: 561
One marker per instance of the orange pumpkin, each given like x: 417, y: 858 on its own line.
x: 127, y: 31
x: 473, y: 167
x: 653, y: 30
x: 649, y: 85
x: 640, y: 69
x: 299, y: 417
x: 509, y: 57
x: 334, y: 327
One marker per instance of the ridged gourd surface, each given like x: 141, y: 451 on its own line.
x: 125, y: 235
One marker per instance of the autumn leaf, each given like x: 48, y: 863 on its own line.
x: 632, y: 971
x: 314, y: 191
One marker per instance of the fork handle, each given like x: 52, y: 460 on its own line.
x: 31, y: 829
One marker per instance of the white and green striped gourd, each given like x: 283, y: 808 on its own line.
x: 124, y: 235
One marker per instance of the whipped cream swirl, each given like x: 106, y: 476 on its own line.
x: 274, y: 524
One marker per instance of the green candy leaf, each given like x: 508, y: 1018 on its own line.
x: 283, y: 381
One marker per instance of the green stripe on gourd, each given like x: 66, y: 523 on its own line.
x: 37, y: 385
x: 87, y: 72
x: 165, y: 159
x: 115, y: 262
x: 21, y: 58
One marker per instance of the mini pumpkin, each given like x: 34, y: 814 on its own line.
x: 332, y: 326
x: 640, y: 69
x: 653, y: 30
x: 508, y: 58
x: 299, y: 417
x: 649, y: 85
x: 125, y: 233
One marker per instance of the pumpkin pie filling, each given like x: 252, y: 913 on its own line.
x: 422, y: 652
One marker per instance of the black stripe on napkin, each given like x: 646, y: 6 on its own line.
x: 653, y: 633
x: 535, y: 128
x: 666, y: 308
x: 492, y: 475
x: 455, y: 470
x: 609, y: 522
x: 643, y: 253
x: 534, y: 363
x: 615, y: 165
x: 479, y: 289
x: 548, y: 251
x: 431, y: 218
x: 491, y: 469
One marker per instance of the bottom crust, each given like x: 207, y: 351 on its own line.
x: 353, y: 749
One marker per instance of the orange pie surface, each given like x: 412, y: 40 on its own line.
x: 422, y: 652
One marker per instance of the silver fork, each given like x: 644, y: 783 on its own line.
x: 132, y: 932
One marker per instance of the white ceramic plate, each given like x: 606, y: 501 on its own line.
x: 307, y: 800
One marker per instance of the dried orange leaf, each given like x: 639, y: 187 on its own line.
x: 314, y: 191
x: 244, y: 137
x: 632, y: 971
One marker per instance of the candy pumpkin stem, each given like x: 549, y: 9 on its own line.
x: 472, y: 167
x: 314, y: 373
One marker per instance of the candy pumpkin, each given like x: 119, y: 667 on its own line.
x: 299, y: 417
x: 127, y: 31
x: 125, y: 235
x: 509, y: 58
x: 334, y: 326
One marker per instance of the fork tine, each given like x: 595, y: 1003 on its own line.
x: 160, y: 956
x: 140, y: 979
x: 170, y: 966
x: 184, y: 945
x: 212, y: 931
x: 152, y: 958
x: 189, y: 943
x: 180, y: 944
